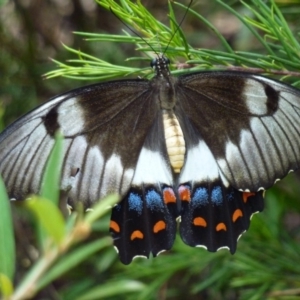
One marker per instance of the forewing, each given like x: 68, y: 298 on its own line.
x: 104, y: 128
x: 249, y: 123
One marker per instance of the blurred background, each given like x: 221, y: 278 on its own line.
x: 32, y: 32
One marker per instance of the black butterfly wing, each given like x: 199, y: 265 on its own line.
x: 242, y: 133
x: 250, y: 124
x: 113, y: 143
x: 214, y: 216
x: 144, y: 222
x: 104, y: 128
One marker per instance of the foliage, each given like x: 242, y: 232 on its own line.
x: 279, y: 49
x: 76, y: 259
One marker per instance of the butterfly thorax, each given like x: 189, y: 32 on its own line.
x: 163, y: 82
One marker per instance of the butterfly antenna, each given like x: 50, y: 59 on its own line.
x: 137, y: 34
x: 179, y: 25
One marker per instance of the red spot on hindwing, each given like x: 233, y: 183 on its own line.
x: 114, y: 226
x: 184, y: 193
x: 237, y: 214
x: 137, y: 234
x: 221, y: 226
x: 159, y: 226
x: 246, y: 195
x: 199, y: 221
x: 169, y: 196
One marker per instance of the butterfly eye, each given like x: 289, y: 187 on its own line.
x: 153, y: 63
x: 167, y: 61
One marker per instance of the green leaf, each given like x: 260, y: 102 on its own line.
x: 51, y: 178
x: 101, y: 208
x: 6, y: 286
x: 116, y: 288
x: 49, y: 216
x: 7, y: 243
x: 72, y: 259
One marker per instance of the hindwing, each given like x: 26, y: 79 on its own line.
x: 213, y: 216
x: 144, y: 222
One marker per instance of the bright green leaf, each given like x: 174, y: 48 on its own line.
x: 101, y: 208
x: 116, y: 288
x: 49, y: 216
x: 6, y: 286
x: 7, y: 243
x: 73, y: 259
x: 51, y: 179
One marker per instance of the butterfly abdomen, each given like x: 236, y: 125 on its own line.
x: 174, y: 141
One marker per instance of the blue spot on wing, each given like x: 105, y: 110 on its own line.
x: 154, y: 200
x: 216, y: 195
x: 200, y: 196
x: 118, y: 207
x: 230, y: 196
x: 135, y: 203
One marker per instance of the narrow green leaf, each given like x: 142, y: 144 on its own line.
x: 101, y: 208
x: 173, y: 23
x: 51, y: 179
x: 7, y: 243
x: 116, y: 288
x: 6, y: 286
x: 244, y: 20
x: 73, y: 259
x: 211, y: 26
x: 49, y: 216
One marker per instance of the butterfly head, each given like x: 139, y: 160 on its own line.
x: 161, y: 65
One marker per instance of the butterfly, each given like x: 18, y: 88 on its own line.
x: 201, y: 148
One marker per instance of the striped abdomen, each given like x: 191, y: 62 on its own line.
x: 174, y: 141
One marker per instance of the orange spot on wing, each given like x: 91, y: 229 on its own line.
x: 184, y: 194
x: 246, y: 195
x: 169, y: 196
x: 221, y: 226
x: 114, y: 226
x: 200, y: 222
x: 137, y: 234
x: 160, y: 225
x: 237, y: 214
